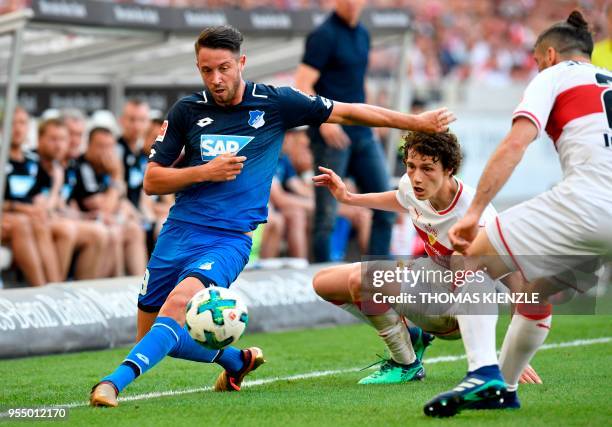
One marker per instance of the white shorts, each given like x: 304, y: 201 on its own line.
x: 553, y: 233
x: 439, y: 319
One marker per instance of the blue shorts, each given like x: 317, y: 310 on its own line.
x: 214, y: 256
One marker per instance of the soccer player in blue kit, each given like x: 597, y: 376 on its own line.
x: 231, y: 134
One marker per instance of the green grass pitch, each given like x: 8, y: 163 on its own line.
x: 295, y: 386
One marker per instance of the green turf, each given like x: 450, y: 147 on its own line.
x: 577, y: 385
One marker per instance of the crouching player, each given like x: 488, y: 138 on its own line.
x: 435, y: 200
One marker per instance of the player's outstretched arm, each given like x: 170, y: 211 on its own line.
x: 496, y: 173
x: 167, y: 180
x: 385, y: 201
x: 373, y: 116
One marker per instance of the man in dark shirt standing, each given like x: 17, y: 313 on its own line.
x: 334, y: 66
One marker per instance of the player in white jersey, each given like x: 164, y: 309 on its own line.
x: 572, y: 100
x: 435, y: 200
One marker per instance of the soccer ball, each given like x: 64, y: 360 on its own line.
x: 216, y: 317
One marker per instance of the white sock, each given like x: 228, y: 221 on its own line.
x: 355, y: 311
x: 395, y: 335
x: 478, y: 334
x: 522, y: 340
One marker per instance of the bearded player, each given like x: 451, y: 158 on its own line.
x: 232, y: 132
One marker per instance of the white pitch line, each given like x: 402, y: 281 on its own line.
x: 316, y: 374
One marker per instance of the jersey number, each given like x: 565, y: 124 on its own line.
x: 606, y: 97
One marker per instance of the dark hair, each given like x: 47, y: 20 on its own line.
x: 572, y: 35
x: 221, y: 37
x: 442, y: 146
x: 157, y: 121
x: 45, y: 124
x: 98, y: 129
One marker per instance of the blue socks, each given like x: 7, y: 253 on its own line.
x: 167, y: 337
x: 231, y: 359
x: 188, y: 349
x: 414, y: 332
x: 150, y: 350
x: 490, y: 371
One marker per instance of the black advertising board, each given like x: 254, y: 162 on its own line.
x: 265, y: 21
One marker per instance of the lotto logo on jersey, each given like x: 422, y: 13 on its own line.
x: 213, y: 145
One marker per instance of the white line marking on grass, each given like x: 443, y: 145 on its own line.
x: 316, y: 374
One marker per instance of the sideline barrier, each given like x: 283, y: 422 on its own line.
x: 100, y: 314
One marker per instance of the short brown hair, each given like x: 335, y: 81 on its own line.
x: 442, y: 147
x: 45, y: 124
x: 221, y: 37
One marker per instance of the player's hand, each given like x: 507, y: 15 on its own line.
x: 436, y: 120
x: 530, y: 376
x: 463, y: 233
x: 333, y: 182
x: 225, y: 167
x: 334, y: 136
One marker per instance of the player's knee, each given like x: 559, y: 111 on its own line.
x: 355, y: 286
x: 318, y: 283
x: 175, y: 304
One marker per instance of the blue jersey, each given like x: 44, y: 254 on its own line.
x: 254, y: 128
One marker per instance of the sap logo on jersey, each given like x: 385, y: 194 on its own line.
x: 213, y: 145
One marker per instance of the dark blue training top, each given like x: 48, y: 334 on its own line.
x: 340, y: 53
x: 255, y: 129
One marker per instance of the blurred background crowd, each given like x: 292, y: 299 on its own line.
x: 74, y: 206
x: 488, y: 40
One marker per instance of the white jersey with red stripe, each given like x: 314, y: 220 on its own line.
x: 432, y: 225
x: 572, y: 102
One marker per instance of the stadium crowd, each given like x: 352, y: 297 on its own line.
x: 485, y: 40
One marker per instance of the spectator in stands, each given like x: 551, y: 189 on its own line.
x: 602, y: 52
x: 89, y: 238
x: 99, y: 191
x: 21, y: 189
x: 134, y: 124
x: 334, y: 66
x: 17, y: 231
